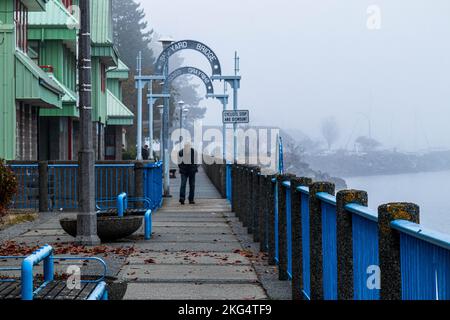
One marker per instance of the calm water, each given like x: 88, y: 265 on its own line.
x: 431, y: 191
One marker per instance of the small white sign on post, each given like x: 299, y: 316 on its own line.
x: 235, y: 117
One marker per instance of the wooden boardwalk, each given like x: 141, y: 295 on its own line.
x: 194, y: 253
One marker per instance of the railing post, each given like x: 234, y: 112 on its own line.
x: 389, y: 246
x: 252, y: 204
x: 246, y: 192
x: 297, y: 246
x: 256, y: 204
x: 270, y: 197
x: 43, y: 187
x: 223, y: 178
x: 262, y: 213
x: 139, y: 179
x: 315, y: 208
x: 344, y: 234
x: 234, y: 196
x: 239, y: 190
x: 282, y: 227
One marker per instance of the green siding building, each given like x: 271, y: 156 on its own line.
x: 38, y: 81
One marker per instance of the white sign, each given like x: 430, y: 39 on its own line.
x: 234, y: 117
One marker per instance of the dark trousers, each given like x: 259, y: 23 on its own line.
x: 184, y: 180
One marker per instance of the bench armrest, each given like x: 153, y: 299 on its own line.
x: 45, y: 254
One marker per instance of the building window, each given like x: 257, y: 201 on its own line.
x: 21, y: 20
x: 67, y: 3
x: 103, y: 77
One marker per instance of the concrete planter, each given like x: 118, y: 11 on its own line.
x: 109, y: 228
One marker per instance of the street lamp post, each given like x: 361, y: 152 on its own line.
x: 140, y: 86
x: 161, y: 112
x: 166, y: 42
x: 150, y: 120
x: 87, y: 217
x: 181, y: 106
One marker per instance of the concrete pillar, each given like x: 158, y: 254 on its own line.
x: 251, y: 204
x: 389, y: 246
x: 256, y: 205
x: 139, y: 179
x: 315, y: 210
x: 282, y: 227
x: 297, y: 246
x: 270, y: 196
x: 245, y: 194
x: 238, y: 189
x: 345, y: 240
x: 234, y: 188
x: 43, y: 187
x: 262, y: 213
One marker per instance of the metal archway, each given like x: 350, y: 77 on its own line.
x: 193, y: 72
x: 178, y: 46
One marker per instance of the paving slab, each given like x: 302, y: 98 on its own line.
x: 191, y: 224
x: 44, y: 232
x: 192, y: 230
x: 187, y: 258
x: 192, y: 291
x: 189, y: 273
x: 191, y: 237
x: 187, y: 246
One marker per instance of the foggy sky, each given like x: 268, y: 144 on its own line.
x: 304, y: 60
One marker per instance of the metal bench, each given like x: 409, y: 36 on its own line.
x: 51, y: 288
x: 122, y: 209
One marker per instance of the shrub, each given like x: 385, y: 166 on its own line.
x: 8, y: 187
x: 130, y: 154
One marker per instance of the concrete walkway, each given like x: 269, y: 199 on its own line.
x: 194, y: 253
x: 197, y: 252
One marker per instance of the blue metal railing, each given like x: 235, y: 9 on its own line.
x: 153, y: 184
x: 62, y: 186
x: 304, y: 194
x: 229, y: 186
x: 425, y: 262
x: 329, y: 245
x: 287, y: 185
x: 276, y: 231
x: 425, y: 255
x: 113, y: 179
x: 365, y: 250
x: 28, y: 185
x: 110, y: 181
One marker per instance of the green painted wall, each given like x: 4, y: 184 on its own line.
x: 7, y: 83
x: 115, y: 87
x: 98, y: 97
x: 56, y: 54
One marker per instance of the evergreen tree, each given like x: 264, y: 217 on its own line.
x: 131, y: 33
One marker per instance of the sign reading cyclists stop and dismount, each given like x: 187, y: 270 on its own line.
x: 236, y: 117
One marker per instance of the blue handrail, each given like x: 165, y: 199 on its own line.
x: 421, y: 233
x: 327, y: 198
x: 304, y: 190
x: 362, y: 211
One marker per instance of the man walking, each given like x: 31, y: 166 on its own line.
x: 145, y: 152
x: 188, y: 171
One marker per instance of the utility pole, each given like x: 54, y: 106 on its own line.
x: 150, y: 119
x: 139, y: 108
x: 235, y: 104
x: 87, y: 216
x: 166, y: 42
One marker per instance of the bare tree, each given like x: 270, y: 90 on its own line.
x: 330, y: 131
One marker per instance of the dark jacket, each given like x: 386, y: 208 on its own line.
x: 188, y: 168
x: 145, y: 154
